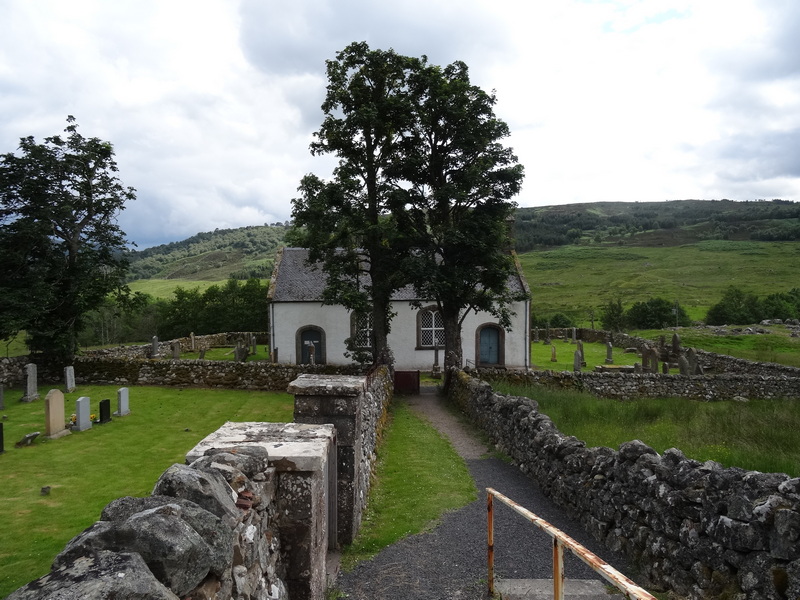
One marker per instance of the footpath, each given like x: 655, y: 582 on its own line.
x: 450, y: 561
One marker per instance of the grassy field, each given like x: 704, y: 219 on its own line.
x: 400, y: 505
x: 89, y: 469
x: 759, y: 435
x: 163, y: 288
x: 574, y: 279
x: 593, y: 354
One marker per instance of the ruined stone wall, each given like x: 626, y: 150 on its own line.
x: 698, y: 529
x: 165, y: 347
x: 209, y: 531
x: 256, y: 375
x: 629, y: 386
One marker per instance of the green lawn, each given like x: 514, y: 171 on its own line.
x: 89, y: 469
x: 399, y: 504
x: 594, y: 354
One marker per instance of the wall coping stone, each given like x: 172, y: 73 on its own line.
x: 327, y: 385
x: 291, y: 446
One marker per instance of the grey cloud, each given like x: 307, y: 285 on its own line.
x: 758, y: 156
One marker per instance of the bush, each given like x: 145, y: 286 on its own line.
x: 656, y: 313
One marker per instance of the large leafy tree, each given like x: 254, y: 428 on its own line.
x: 346, y: 222
x: 458, y: 210
x: 63, y: 252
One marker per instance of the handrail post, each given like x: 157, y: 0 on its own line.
x: 490, y: 529
x: 558, y: 570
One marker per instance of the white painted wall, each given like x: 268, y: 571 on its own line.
x: 288, y: 317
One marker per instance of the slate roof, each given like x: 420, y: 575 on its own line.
x: 293, y: 280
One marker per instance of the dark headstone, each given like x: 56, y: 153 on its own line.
x: 676, y: 344
x: 202, y: 353
x: 105, y: 411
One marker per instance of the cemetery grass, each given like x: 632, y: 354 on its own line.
x: 594, y: 354
x: 400, y: 505
x: 759, y: 435
x: 87, y: 470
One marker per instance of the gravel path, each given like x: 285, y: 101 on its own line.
x: 450, y: 561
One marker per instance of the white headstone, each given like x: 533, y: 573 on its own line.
x: 122, y: 403
x: 69, y: 379
x: 83, y: 419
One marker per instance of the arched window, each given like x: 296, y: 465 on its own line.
x: 361, y: 330
x: 430, y: 328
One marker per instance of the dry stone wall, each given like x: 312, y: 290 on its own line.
x: 698, y: 529
x: 256, y: 375
x: 209, y: 531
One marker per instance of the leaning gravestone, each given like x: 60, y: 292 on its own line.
x: 83, y: 418
x: 69, y: 379
x: 31, y: 388
x: 54, y: 426
x: 609, y: 353
x: 105, y: 411
x: 27, y: 440
x: 576, y: 361
x: 122, y: 403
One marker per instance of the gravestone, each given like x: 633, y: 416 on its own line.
x: 253, y: 345
x: 576, y: 361
x: 536, y: 336
x: 27, y: 439
x: 580, y: 349
x: 83, y: 418
x: 637, y: 368
x: 676, y: 344
x: 202, y: 353
x: 69, y: 379
x: 609, y: 353
x: 645, y: 359
x: 2, y: 442
x: 191, y: 337
x: 653, y: 362
x: 553, y: 354
x: 574, y: 335
x: 122, y: 403
x: 31, y: 388
x: 54, y: 423
x: 683, y: 365
x: 154, y: 347
x: 105, y: 411
x: 176, y: 350
x: 665, y: 368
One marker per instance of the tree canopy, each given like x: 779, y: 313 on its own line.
x: 421, y: 194
x: 63, y: 252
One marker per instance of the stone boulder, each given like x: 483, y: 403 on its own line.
x: 100, y: 576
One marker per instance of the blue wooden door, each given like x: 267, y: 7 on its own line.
x: 490, y: 346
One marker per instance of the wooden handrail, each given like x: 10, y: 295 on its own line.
x: 560, y: 541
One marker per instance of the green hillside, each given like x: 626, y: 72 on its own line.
x: 576, y: 257
x: 212, y: 256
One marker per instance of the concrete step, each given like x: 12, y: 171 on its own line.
x: 542, y: 589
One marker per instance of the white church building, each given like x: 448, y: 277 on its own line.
x: 301, y: 324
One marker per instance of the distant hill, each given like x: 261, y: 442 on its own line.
x: 212, y: 256
x: 656, y: 223
x: 250, y: 251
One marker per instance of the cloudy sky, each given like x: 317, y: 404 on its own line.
x: 211, y: 104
